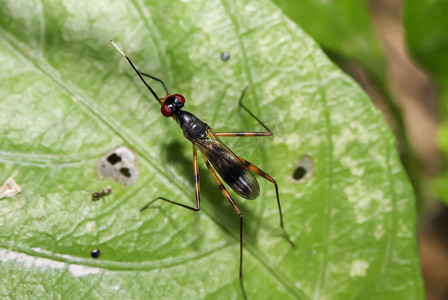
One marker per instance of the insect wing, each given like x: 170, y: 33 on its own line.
x: 229, y: 167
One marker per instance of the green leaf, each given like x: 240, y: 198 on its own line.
x: 68, y: 97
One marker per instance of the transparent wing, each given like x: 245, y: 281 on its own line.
x: 229, y: 167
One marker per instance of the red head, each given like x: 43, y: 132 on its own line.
x: 172, y: 104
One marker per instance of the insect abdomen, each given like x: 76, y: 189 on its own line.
x: 241, y: 181
x: 228, y: 166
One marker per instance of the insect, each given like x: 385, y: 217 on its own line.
x: 235, y: 171
x: 225, y: 56
x: 96, y: 196
x: 95, y: 253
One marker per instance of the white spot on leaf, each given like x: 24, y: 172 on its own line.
x: 10, y: 188
x: 79, y: 270
x: 361, y: 198
x: 353, y: 166
x: 359, y: 268
x: 119, y: 164
x: 379, y: 231
x: 29, y: 261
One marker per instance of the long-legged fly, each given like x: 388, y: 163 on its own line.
x: 234, y: 170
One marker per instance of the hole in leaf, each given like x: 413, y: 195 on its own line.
x: 125, y: 172
x: 119, y: 164
x: 303, y: 170
x: 113, y: 158
x: 299, y: 173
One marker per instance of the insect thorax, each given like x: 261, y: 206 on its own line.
x: 191, y: 125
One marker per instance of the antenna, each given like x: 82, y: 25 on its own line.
x: 137, y: 71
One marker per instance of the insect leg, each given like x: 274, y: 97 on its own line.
x: 156, y: 79
x: 240, y: 134
x: 226, y: 194
x: 196, y: 188
x: 266, y: 176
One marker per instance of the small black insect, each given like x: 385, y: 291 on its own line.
x: 95, y: 253
x: 225, y: 56
x: 234, y: 170
x: 96, y: 196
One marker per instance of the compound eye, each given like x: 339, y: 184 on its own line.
x: 179, y: 98
x: 166, y: 110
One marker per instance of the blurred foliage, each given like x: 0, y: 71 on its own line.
x: 426, y: 26
x: 342, y: 27
x: 426, y: 35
